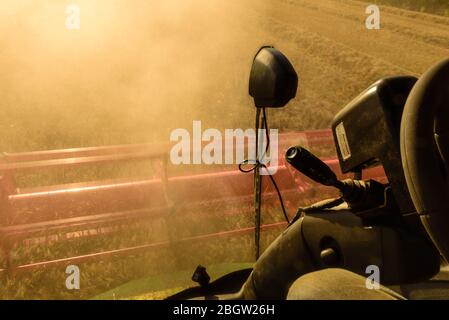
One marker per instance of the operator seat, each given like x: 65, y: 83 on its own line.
x: 340, y: 284
x: 425, y: 156
x: 337, y: 284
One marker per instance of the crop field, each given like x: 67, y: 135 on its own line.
x: 132, y: 74
x: 433, y: 6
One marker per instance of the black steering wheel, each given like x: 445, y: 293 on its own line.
x: 425, y: 152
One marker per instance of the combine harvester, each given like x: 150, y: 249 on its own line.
x: 55, y: 213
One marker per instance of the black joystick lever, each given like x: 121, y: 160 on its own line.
x: 358, y: 194
x: 309, y: 165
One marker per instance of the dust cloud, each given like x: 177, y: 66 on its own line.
x: 136, y: 70
x: 132, y: 72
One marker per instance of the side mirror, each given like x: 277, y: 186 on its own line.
x: 273, y: 81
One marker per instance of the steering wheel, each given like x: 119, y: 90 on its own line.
x: 425, y: 152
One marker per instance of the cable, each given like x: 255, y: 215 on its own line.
x: 279, y: 195
x: 259, y: 163
x: 257, y: 193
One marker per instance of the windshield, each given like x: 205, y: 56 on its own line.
x: 122, y: 123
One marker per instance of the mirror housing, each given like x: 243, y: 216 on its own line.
x: 273, y: 81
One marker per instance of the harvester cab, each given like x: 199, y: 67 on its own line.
x: 379, y: 240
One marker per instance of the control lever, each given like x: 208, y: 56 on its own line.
x: 309, y: 165
x: 359, y: 195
